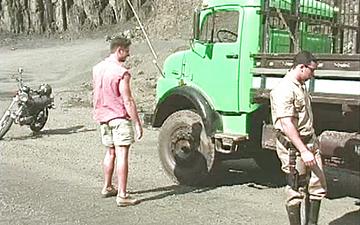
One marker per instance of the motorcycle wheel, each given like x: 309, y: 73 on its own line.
x: 5, y: 125
x: 40, y: 120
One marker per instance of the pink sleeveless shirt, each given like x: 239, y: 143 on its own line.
x: 107, y: 101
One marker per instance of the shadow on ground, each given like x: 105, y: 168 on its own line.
x: 228, y: 174
x: 350, y: 218
x: 240, y: 172
x: 245, y: 171
x: 171, y: 190
x: 59, y: 131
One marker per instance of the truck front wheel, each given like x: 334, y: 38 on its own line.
x: 186, y: 152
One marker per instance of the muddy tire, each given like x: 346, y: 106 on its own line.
x: 5, y: 125
x: 41, y: 119
x: 185, y: 150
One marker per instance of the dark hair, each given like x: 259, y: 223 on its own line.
x: 303, y: 57
x: 117, y: 42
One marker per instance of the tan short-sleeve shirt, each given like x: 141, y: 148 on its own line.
x: 291, y: 99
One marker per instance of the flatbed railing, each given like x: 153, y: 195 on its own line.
x: 337, y: 62
x: 336, y: 22
x: 337, y: 79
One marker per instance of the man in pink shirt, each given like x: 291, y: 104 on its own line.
x: 115, y: 111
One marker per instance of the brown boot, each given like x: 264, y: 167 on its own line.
x: 314, y: 212
x: 293, y: 212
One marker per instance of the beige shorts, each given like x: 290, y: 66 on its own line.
x: 117, y: 132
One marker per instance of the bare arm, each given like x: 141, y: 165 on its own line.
x: 130, y: 105
x: 292, y: 133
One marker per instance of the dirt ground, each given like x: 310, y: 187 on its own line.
x: 55, y: 177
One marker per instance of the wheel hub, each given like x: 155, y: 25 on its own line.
x: 181, y: 147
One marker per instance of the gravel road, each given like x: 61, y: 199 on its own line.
x: 55, y: 177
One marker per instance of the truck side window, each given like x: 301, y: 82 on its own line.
x: 226, y: 26
x: 206, y: 28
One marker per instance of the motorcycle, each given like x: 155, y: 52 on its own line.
x: 28, y: 107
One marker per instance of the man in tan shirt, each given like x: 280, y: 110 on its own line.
x: 297, y: 145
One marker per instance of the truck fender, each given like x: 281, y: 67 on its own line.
x: 186, y: 97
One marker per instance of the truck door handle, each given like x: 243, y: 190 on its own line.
x: 232, y: 56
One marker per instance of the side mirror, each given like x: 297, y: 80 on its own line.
x: 20, y: 70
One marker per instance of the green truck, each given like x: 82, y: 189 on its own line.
x: 213, y: 99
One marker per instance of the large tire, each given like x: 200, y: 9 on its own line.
x: 186, y: 152
x: 40, y: 120
x: 5, y: 125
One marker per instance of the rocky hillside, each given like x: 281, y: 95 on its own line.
x: 40, y: 16
x: 172, y: 18
x: 164, y: 18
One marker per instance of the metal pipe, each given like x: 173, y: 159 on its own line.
x: 147, y: 38
x: 294, y: 26
x: 358, y: 29
x: 266, y: 31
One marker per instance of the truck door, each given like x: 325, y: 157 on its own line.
x: 213, y: 63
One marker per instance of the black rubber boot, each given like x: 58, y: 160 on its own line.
x: 294, y: 214
x: 314, y: 212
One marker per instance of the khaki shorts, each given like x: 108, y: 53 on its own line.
x: 117, y: 132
